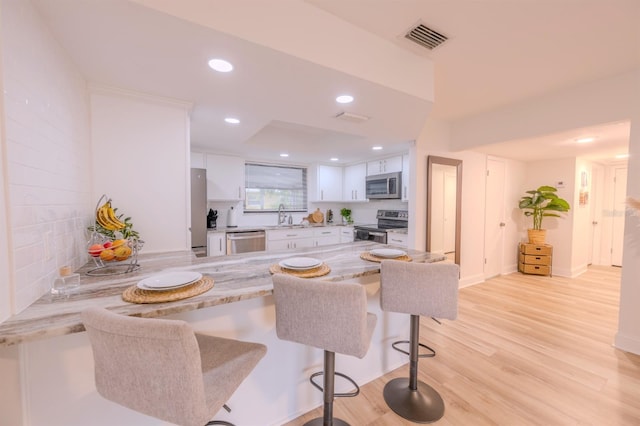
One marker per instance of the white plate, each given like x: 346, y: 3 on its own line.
x: 388, y: 253
x: 300, y: 263
x: 169, y: 280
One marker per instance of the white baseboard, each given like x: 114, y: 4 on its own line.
x: 627, y: 343
x: 472, y: 280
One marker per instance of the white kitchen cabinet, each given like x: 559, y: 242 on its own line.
x: 282, y: 239
x: 216, y: 243
x: 325, y: 236
x: 329, y: 183
x: 292, y: 238
x: 405, y: 177
x: 397, y: 239
x: 354, y: 182
x: 197, y: 160
x: 346, y: 234
x: 384, y: 165
x: 225, y: 178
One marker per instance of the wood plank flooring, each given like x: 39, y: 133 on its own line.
x: 525, y: 350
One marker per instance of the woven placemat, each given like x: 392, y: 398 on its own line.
x: 308, y: 273
x: 134, y: 294
x: 368, y: 256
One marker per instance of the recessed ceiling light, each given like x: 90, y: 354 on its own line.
x: 621, y: 156
x: 344, y: 99
x: 376, y: 148
x: 232, y: 120
x: 284, y: 154
x: 334, y: 159
x: 220, y: 65
x: 585, y: 140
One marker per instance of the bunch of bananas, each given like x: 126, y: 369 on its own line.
x: 106, y: 217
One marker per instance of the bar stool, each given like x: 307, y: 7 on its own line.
x: 163, y: 369
x: 428, y: 289
x: 329, y: 316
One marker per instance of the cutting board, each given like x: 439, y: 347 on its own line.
x: 316, y: 217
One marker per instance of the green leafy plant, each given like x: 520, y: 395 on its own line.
x: 346, y: 214
x: 543, y: 202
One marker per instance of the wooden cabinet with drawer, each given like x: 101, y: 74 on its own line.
x: 535, y: 259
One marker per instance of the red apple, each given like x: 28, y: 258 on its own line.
x: 107, y: 245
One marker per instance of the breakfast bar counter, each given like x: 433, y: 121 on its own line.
x: 47, y: 364
x: 236, y: 277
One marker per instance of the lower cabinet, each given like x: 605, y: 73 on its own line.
x: 283, y: 239
x: 216, y: 244
x: 346, y: 234
x: 326, y: 236
x: 397, y: 239
x: 535, y: 258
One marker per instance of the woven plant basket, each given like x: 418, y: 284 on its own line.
x: 537, y: 236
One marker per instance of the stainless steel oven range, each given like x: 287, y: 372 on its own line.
x: 387, y: 219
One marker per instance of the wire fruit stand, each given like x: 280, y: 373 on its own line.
x: 113, y: 244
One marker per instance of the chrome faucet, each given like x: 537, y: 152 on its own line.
x: 281, y: 214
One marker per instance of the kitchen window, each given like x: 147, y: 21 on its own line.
x: 268, y: 186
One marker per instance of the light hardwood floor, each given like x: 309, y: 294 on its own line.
x: 525, y: 350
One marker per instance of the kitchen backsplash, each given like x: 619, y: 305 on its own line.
x: 363, y: 213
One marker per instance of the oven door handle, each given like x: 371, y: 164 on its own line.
x: 377, y: 234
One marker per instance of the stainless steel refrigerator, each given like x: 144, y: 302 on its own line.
x: 199, y: 211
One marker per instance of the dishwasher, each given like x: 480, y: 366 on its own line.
x: 245, y: 241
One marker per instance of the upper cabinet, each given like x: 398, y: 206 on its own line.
x: 384, y: 165
x: 328, y: 183
x: 225, y: 177
x: 354, y: 182
x: 405, y: 177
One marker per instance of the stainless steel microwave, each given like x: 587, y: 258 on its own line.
x: 384, y: 186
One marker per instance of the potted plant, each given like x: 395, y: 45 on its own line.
x: 539, y: 203
x: 346, y: 215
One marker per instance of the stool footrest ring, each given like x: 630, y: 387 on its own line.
x: 431, y: 353
x: 337, y: 395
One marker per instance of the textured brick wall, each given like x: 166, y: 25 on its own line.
x: 48, y: 153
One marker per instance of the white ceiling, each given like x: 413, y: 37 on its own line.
x: 499, y: 52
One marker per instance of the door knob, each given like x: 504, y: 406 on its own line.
x: 502, y: 224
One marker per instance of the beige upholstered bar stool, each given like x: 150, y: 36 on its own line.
x: 329, y: 316
x: 162, y: 368
x: 427, y: 289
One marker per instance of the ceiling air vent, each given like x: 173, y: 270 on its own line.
x: 426, y: 37
x: 354, y: 118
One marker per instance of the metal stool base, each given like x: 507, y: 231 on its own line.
x: 424, y: 405
x: 320, y: 422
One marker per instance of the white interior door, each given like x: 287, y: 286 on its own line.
x: 494, y: 227
x: 619, y: 209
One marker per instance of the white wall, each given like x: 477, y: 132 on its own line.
x: 6, y: 280
x: 628, y: 337
x: 582, y: 238
x: 141, y: 158
x: 559, y: 230
x: 47, y: 164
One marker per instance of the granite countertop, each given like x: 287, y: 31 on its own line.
x: 237, y: 277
